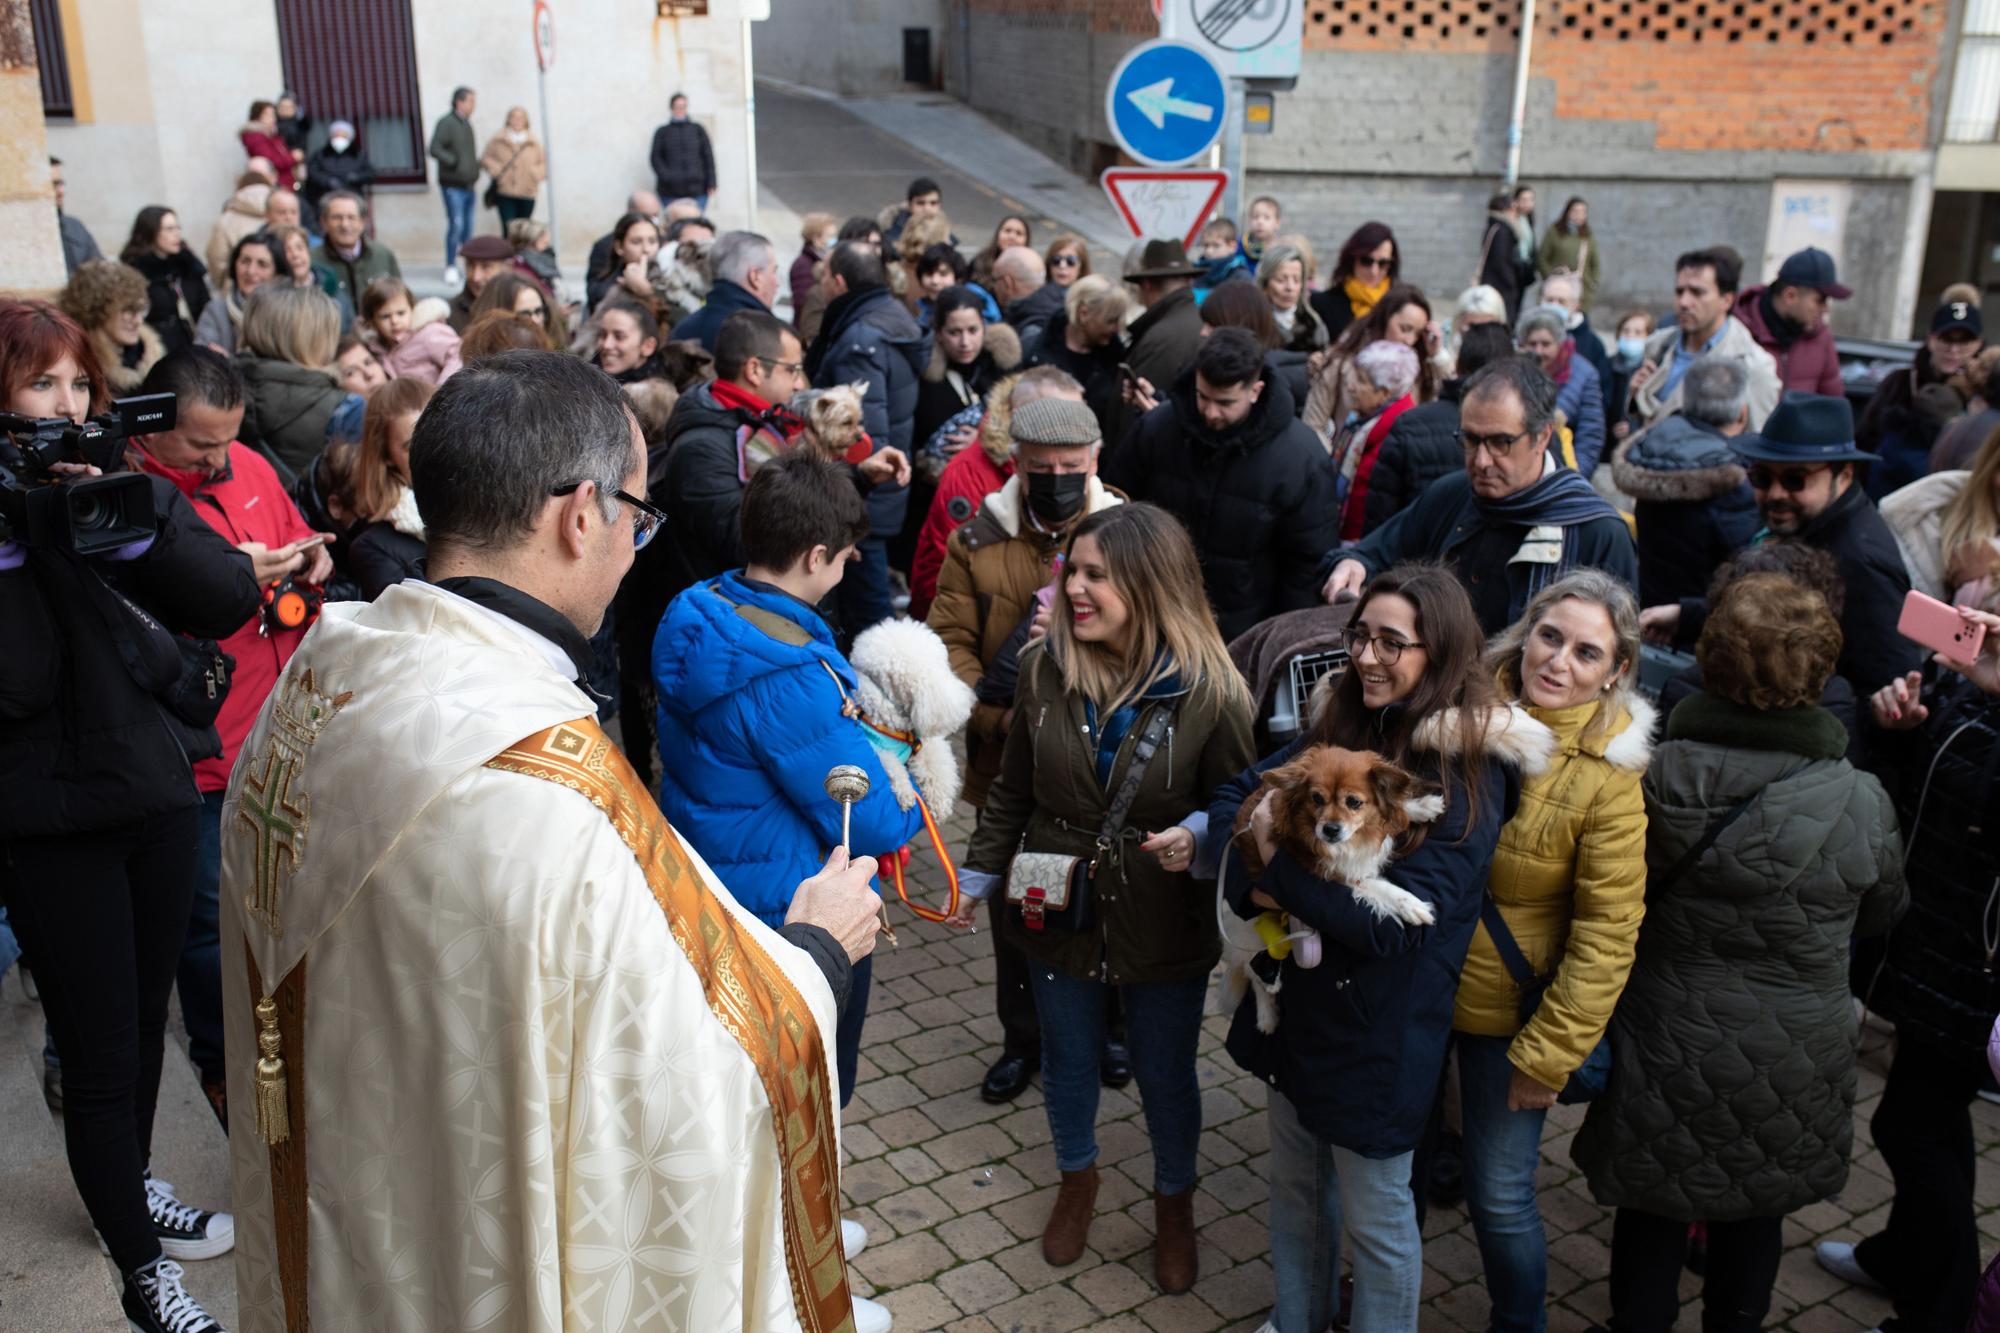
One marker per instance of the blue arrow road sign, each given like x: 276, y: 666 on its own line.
x: 1165, y: 103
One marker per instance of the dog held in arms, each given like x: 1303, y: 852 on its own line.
x: 1341, y: 814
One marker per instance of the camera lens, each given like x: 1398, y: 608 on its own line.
x: 88, y: 513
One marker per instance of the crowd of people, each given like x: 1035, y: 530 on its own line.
x: 1622, y: 625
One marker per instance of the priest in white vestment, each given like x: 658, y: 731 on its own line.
x: 504, y: 1054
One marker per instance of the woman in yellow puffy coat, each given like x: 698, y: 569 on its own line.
x: 1569, y: 883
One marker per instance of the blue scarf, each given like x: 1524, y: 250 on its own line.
x: 1562, y: 499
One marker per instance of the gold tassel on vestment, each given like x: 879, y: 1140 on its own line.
x: 273, y: 1115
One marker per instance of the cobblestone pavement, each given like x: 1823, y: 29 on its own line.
x: 954, y: 1192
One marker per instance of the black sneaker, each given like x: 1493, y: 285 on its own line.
x: 185, y: 1232
x: 156, y: 1302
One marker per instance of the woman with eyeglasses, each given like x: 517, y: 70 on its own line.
x: 1370, y: 263
x: 520, y: 295
x: 1354, y: 1063
x: 1402, y: 315
x: 388, y: 545
x: 1068, y: 259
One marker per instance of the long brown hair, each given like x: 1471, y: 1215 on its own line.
x: 1454, y: 678
x: 1153, y: 566
x: 374, y: 486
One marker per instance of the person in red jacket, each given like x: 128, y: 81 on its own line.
x: 1788, y: 320
x: 975, y: 473
x: 238, y: 493
x: 261, y: 139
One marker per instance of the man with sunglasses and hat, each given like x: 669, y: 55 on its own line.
x: 1805, y: 471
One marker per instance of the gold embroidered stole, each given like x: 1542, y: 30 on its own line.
x: 748, y: 992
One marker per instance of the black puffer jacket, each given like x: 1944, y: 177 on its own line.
x: 327, y: 171
x: 1694, y: 505
x: 379, y: 556
x: 1257, y: 498
x: 870, y: 335
x: 172, y: 280
x: 701, y: 493
x: 1421, y: 446
x: 1096, y: 370
x: 683, y: 161
x: 1732, y: 1048
x: 1938, y: 983
x: 84, y: 742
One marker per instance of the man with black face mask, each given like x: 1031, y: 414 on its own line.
x: 995, y: 566
x: 1225, y: 453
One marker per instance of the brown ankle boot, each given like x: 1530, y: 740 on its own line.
x: 1068, y: 1230
x: 1174, y: 1264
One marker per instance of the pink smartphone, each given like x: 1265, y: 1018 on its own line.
x: 1046, y: 594
x: 1940, y: 628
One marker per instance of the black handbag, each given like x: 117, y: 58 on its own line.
x: 1055, y: 892
x: 491, y: 198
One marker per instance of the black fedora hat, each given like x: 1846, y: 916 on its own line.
x: 1805, y: 428
x: 1164, y: 259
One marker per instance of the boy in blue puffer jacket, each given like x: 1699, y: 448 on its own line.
x: 750, y: 713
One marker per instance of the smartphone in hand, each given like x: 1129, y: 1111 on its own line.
x: 1940, y: 628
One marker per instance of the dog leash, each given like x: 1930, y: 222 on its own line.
x: 849, y: 708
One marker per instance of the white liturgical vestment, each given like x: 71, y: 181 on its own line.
x: 519, y: 1049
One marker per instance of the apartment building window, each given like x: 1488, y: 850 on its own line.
x: 356, y: 60
x: 1974, y: 113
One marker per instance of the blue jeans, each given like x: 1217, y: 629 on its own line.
x: 10, y: 948
x: 200, y: 974
x: 1316, y: 1188
x: 1163, y: 1028
x: 847, y: 1034
x: 458, y: 206
x: 1502, y: 1149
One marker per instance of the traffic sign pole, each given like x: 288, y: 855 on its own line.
x: 1232, y: 153
x: 545, y: 55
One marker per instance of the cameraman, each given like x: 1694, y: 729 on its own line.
x: 98, y: 835
x: 238, y: 494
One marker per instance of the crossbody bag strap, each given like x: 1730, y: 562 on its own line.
x: 1510, y: 953
x: 1148, y: 744
x: 1694, y: 853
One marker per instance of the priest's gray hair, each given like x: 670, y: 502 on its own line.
x: 500, y: 436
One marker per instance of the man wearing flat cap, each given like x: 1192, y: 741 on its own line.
x: 994, y: 565
x: 1806, y: 473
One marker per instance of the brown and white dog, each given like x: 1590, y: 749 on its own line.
x: 1340, y: 813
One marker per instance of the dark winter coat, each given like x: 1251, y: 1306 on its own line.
x: 1501, y: 266
x: 327, y: 171
x: 870, y: 335
x: 1896, y: 428
x: 948, y: 390
x: 170, y: 281
x: 379, y: 556
x: 725, y: 298
x: 1580, y: 399
x: 1809, y: 363
x: 456, y: 151
x: 1096, y: 371
x: 1938, y: 983
x: 85, y: 744
x: 1257, y: 498
x: 1732, y: 1049
x: 701, y: 492
x: 1152, y: 924
x: 1360, y: 1042
x: 1591, y: 348
x: 1421, y: 446
x: 1163, y: 341
x: 352, y: 276
x: 1032, y: 314
x: 1694, y: 505
x: 1334, y: 309
x: 285, y: 411
x: 1444, y: 524
x: 683, y: 162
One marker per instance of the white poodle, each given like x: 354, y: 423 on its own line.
x: 906, y: 684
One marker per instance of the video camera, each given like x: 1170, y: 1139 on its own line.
x: 85, y: 515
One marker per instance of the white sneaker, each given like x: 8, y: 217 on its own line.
x: 453, y: 278
x: 1837, y: 1258
x: 853, y: 1238
x: 870, y: 1317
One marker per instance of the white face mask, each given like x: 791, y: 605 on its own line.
x: 340, y: 143
x: 517, y: 136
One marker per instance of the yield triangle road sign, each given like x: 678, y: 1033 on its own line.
x: 1159, y: 204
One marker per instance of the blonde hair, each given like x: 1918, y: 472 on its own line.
x: 525, y: 234
x: 375, y: 488
x: 1503, y: 654
x: 815, y: 225
x: 1099, y: 295
x: 1971, y: 516
x: 920, y: 234
x: 296, y: 324
x: 1153, y: 567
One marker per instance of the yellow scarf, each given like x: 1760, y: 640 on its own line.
x: 1363, y: 296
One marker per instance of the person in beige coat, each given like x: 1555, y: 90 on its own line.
x: 241, y: 216
x: 518, y: 166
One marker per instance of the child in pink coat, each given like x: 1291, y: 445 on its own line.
x: 412, y: 337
